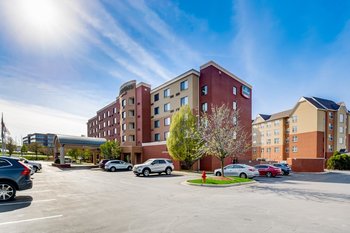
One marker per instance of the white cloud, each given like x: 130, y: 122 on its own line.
x: 22, y: 119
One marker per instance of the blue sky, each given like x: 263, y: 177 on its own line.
x: 60, y: 61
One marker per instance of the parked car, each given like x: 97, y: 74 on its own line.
x: 36, y: 166
x: 268, y: 170
x: 286, y: 170
x: 114, y: 165
x: 103, y: 163
x: 14, y: 176
x: 157, y: 165
x: 241, y: 170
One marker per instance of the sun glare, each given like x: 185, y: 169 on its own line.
x: 40, y: 22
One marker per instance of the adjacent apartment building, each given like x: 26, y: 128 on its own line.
x: 140, y: 117
x: 304, y: 136
x: 43, y: 139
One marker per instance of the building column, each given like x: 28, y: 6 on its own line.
x: 94, y: 158
x: 62, y: 154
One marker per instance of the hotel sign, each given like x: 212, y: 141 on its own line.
x: 246, y: 91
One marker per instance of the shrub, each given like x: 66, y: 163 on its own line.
x: 339, y: 162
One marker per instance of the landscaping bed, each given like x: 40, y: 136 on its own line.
x: 220, y: 181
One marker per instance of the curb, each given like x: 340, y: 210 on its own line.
x: 219, y: 185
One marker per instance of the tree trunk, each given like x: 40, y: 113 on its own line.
x: 222, y: 167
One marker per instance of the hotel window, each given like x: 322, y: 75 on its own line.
x: 234, y: 90
x: 104, y: 115
x: 295, y: 138
x: 276, y: 123
x: 132, y: 125
x: 330, y: 126
x: 108, y: 113
x: 234, y: 120
x: 99, y: 126
x: 268, y: 150
x: 123, y: 115
x: 277, y: 149
x: 156, y: 124
x: 234, y: 105
x: 262, y: 150
x: 96, y: 122
x: 124, y: 138
x: 184, y: 101
x: 104, y: 133
x: 109, y: 123
x: 268, y: 133
x: 330, y: 148
x: 123, y: 126
x: 166, y: 93
x: 131, y: 100
x: 234, y: 135
x: 276, y: 140
x: 254, y: 142
x: 268, y: 142
x: 167, y: 121
x: 330, y: 137
x: 99, y: 135
x: 330, y: 115
x: 166, y: 135
x: 131, y: 113
x: 115, y: 110
x: 156, y: 97
x: 131, y: 138
x: 167, y: 107
x: 157, y: 137
x: 115, y: 130
x: 341, y: 129
x: 294, y: 118
x: 262, y: 141
x: 109, y: 132
x: 268, y: 125
x: 184, y: 85
x: 123, y: 103
x: 341, y: 118
x: 287, y: 150
x: 341, y: 141
x: 276, y: 132
x: 104, y: 124
x: 262, y: 126
x: 205, y: 90
x: 156, y: 110
x: 204, y: 107
x: 294, y: 129
x: 294, y: 149
x: 115, y: 120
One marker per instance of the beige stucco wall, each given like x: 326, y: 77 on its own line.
x: 307, y: 118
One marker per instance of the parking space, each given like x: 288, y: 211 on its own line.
x: 98, y: 201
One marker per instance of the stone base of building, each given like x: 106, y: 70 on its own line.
x: 306, y: 164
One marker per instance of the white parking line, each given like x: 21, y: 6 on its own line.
x: 26, y: 202
x: 30, y: 220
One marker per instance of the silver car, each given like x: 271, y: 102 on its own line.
x: 241, y: 170
x: 35, y: 165
x: 114, y: 165
x: 158, y: 165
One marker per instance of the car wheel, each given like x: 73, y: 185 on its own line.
x: 129, y: 168
x: 168, y: 171
x: 243, y: 175
x: 268, y: 174
x: 137, y: 174
x: 7, y: 191
x: 146, y: 172
x: 35, y: 169
x: 113, y: 169
x: 218, y: 174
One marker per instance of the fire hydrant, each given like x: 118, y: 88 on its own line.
x: 204, y: 177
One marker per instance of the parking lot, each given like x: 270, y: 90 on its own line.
x: 96, y: 201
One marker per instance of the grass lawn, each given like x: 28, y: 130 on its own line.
x: 218, y: 181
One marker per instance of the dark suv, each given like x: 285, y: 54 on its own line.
x: 284, y: 167
x: 14, y: 175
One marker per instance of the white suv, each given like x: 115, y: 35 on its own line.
x: 154, y: 166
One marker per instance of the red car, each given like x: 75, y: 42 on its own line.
x: 268, y: 170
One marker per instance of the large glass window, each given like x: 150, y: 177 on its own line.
x: 167, y: 121
x: 166, y: 93
x: 156, y: 110
x: 156, y: 124
x: 184, y: 101
x: 167, y: 107
x: 205, y: 90
x: 157, y: 137
x: 234, y: 90
x: 156, y: 97
x: 184, y: 85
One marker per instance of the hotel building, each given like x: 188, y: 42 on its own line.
x: 305, y: 136
x: 140, y: 117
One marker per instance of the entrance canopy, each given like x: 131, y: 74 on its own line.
x: 63, y: 142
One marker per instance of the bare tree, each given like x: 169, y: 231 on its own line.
x: 223, y: 134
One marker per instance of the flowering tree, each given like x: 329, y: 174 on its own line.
x: 223, y: 134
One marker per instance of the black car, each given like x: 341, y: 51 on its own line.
x: 14, y: 176
x: 103, y: 163
x: 284, y: 167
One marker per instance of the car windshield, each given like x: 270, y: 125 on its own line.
x: 149, y: 161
